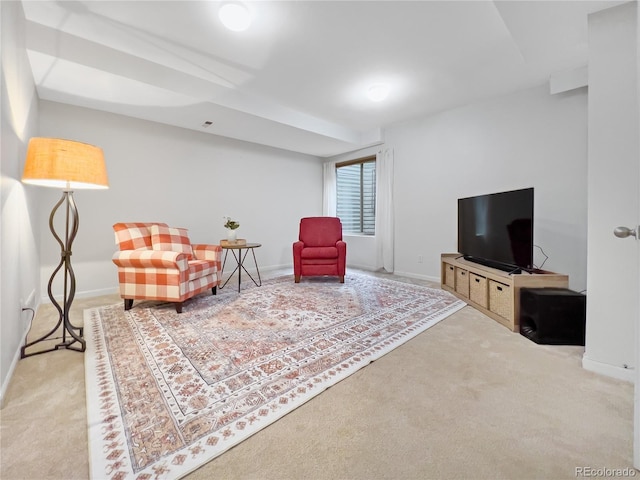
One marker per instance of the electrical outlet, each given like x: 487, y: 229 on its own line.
x: 420, y: 258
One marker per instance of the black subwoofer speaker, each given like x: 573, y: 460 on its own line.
x: 553, y: 316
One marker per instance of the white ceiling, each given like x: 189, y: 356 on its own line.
x: 297, y: 78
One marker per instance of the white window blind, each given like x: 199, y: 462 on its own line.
x: 356, y: 196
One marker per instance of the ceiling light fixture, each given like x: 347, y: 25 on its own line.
x: 235, y: 16
x: 378, y: 92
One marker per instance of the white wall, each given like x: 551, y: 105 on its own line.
x: 614, y: 173
x: 184, y: 178
x: 19, y: 229
x: 526, y: 139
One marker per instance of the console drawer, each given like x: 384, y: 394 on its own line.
x: 500, y: 301
x: 478, y: 290
x: 450, y: 275
x: 462, y: 282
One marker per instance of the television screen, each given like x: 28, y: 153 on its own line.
x: 497, y: 229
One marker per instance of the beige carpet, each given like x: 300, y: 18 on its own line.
x: 482, y: 403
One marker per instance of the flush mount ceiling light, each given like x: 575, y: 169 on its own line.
x: 235, y: 16
x: 378, y: 92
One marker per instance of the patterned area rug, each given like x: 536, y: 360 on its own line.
x: 168, y: 392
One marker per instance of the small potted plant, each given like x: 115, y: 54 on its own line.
x: 231, y: 226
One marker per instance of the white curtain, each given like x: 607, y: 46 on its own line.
x: 384, y: 210
x: 329, y: 194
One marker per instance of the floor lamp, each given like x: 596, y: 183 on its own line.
x: 54, y: 162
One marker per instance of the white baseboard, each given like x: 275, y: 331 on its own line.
x: 273, y: 268
x: 84, y: 294
x: 16, y: 356
x: 367, y: 268
x: 7, y: 380
x: 251, y: 268
x: 614, y: 371
x: 97, y: 293
x: 418, y: 276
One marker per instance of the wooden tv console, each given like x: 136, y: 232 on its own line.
x: 492, y: 291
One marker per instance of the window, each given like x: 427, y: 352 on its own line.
x: 356, y: 195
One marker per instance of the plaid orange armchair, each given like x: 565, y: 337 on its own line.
x: 157, y: 262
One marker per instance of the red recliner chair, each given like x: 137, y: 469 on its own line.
x: 320, y: 249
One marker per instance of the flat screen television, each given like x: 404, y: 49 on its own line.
x: 497, y: 229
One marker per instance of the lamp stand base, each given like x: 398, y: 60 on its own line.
x: 68, y: 344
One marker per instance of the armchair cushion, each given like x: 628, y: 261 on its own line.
x: 165, y: 238
x: 320, y: 231
x: 133, y: 235
x: 320, y: 252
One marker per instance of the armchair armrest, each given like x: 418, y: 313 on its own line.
x: 207, y: 252
x: 151, y: 259
x: 212, y: 253
x: 342, y: 256
x: 297, y: 254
